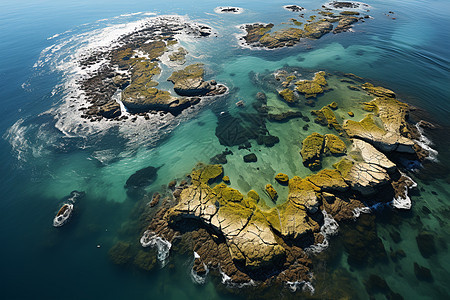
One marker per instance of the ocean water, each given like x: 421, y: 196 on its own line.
x: 45, y: 154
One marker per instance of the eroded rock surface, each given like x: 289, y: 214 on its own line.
x: 262, y: 243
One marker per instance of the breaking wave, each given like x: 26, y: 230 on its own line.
x: 150, y: 239
x: 64, y: 57
x: 329, y: 228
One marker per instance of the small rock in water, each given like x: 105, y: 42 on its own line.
x: 250, y: 158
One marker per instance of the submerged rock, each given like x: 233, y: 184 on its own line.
x: 120, y: 253
x: 142, y: 178
x: 422, y: 273
x: 250, y: 158
x: 426, y: 244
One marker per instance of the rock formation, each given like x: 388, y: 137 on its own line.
x: 248, y: 240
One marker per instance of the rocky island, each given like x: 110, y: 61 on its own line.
x: 323, y: 21
x: 125, y: 80
x: 253, y: 243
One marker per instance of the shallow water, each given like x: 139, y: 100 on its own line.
x: 40, y: 165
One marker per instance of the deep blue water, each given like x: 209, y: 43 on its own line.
x: 39, y: 166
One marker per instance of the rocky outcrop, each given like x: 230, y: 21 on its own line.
x: 254, y: 32
x: 311, y: 88
x: 189, y: 82
x: 282, y: 178
x: 326, y: 117
x: 386, y: 141
x: 263, y: 35
x: 247, y: 232
x: 179, y: 56
x: 130, y: 68
x: 369, y: 154
x: 317, y: 145
x: 311, y: 151
x: 316, y: 30
x: 345, y: 23
x: 281, y: 38
x: 288, y: 96
x: 270, y: 190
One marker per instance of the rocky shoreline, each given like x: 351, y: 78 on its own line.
x: 322, y: 21
x: 254, y: 244
x: 125, y: 80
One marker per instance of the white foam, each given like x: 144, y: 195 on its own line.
x: 403, y: 201
x: 243, y: 43
x: 229, y: 282
x: 304, y: 286
x: 219, y: 10
x: 150, y: 239
x: 286, y: 7
x: 65, y: 57
x: 361, y: 6
x: 196, y: 278
x: 15, y: 135
x: 361, y: 210
x: 329, y: 228
x: 426, y: 144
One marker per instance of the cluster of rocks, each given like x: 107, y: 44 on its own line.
x: 261, y: 35
x: 249, y: 241
x: 131, y: 67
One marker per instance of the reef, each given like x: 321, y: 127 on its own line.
x: 128, y: 73
x: 263, y: 35
x: 254, y: 242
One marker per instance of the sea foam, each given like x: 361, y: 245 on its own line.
x: 150, y: 239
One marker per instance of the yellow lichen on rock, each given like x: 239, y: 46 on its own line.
x: 378, y: 91
x: 206, y: 173
x: 282, y: 178
x: 312, y: 150
x: 311, y: 88
x: 226, y: 194
x: 326, y: 117
x: 288, y: 95
x: 271, y: 192
x: 334, y: 145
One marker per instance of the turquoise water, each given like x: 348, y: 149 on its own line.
x: 40, y: 165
